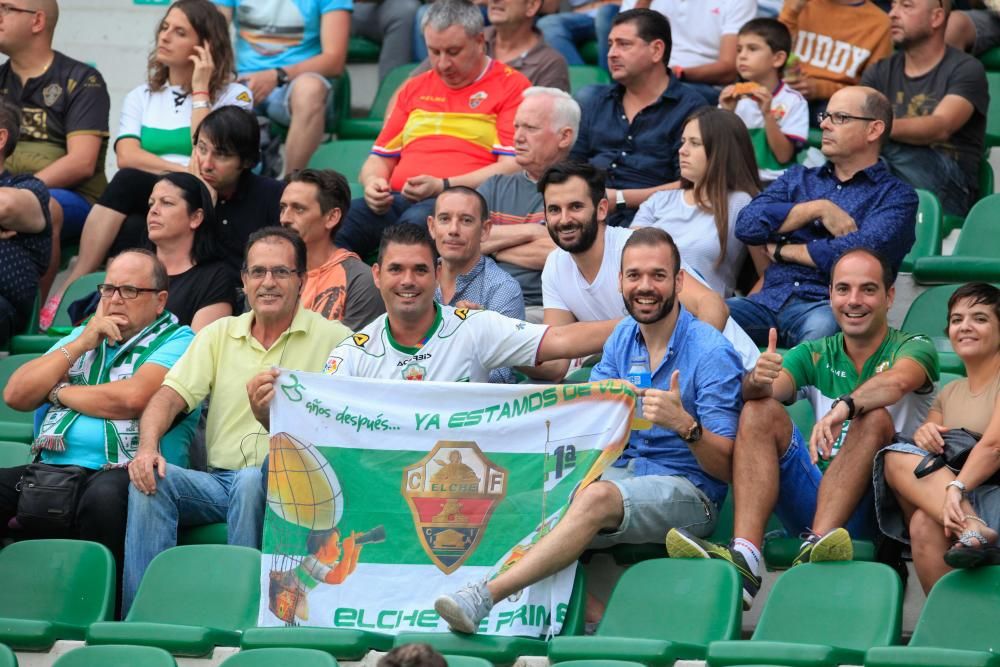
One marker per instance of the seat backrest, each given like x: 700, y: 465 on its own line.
x: 14, y: 454
x: 64, y: 581
x: 980, y: 236
x: 466, y: 661
x: 393, y: 80
x: 962, y: 611
x: 928, y: 314
x: 586, y: 75
x: 690, y: 600
x: 210, y: 585
x: 116, y: 656
x: 852, y: 605
x: 8, y: 659
x: 78, y: 289
x: 8, y: 365
x: 928, y: 229
x: 281, y: 657
x: 344, y: 155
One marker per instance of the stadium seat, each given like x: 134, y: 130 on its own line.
x: 589, y: 53
x: 986, y: 181
x: 14, y: 424
x: 116, y: 656
x: 928, y: 230
x: 821, y: 614
x: 586, y: 75
x: 466, y: 661
x: 14, y: 454
x: 281, y: 657
x: 928, y: 315
x: 993, y: 111
x: 53, y: 589
x: 39, y: 343
x: 210, y: 533
x: 342, y: 643
x: 361, y: 50
x: 369, y: 126
x: 601, y: 663
x: 779, y: 552
x: 191, y: 599
x: 661, y: 611
x: 991, y: 59
x: 346, y: 156
x: 977, y: 253
x: 7, y: 657
x: 498, y: 649
x: 957, y: 627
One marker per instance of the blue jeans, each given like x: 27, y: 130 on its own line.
x: 75, y: 210
x: 798, y: 320
x: 928, y: 169
x: 564, y: 31
x: 277, y: 105
x: 361, y: 231
x: 798, y: 488
x: 189, y: 498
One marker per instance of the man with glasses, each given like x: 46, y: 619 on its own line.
x: 97, y: 380
x: 808, y: 217
x: 225, y: 356
x: 939, y: 99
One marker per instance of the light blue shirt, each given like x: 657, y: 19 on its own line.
x: 710, y: 382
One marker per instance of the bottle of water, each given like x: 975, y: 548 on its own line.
x: 640, y: 375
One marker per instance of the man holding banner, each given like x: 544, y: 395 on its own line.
x: 672, y: 474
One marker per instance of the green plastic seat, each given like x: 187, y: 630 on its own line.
x: 779, y: 552
x: 977, y: 252
x: 14, y: 454
x: 191, y: 599
x: 986, y: 178
x: 369, y: 126
x: 52, y: 590
x: 586, y: 75
x: 991, y: 59
x: 346, y: 156
x: 466, y: 661
x: 600, y: 663
x: 281, y: 657
x: 661, y: 611
x: 993, y: 112
x: 821, y: 614
x: 7, y: 657
x: 116, y: 656
x: 589, y: 53
x: 815, y: 138
x: 361, y: 50
x: 957, y: 627
x: 928, y: 315
x: 498, y: 649
x: 14, y: 424
x: 928, y: 230
x: 342, y: 643
x: 210, y: 533
x: 39, y: 343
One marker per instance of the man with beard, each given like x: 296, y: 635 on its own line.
x: 580, y: 278
x: 671, y: 475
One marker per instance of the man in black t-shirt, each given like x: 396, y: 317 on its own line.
x: 940, y: 98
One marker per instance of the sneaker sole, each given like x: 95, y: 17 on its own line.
x: 835, y: 546
x: 449, y: 610
x: 679, y: 546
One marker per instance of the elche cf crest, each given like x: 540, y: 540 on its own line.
x: 452, y: 493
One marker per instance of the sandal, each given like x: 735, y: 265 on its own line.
x: 974, y: 548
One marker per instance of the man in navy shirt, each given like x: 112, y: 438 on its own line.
x: 671, y: 475
x: 809, y: 217
x: 631, y: 128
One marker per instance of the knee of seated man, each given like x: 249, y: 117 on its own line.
x: 599, y: 500
x: 768, y: 411
x: 877, y: 422
x: 248, y: 484
x: 309, y: 93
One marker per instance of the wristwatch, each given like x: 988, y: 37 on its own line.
x: 849, y: 402
x: 619, y: 200
x: 958, y: 485
x: 693, y: 435
x: 283, y: 77
x: 777, y: 252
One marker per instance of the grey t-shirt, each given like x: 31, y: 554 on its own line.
x: 514, y: 199
x: 957, y: 74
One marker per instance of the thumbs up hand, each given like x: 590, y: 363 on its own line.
x: 665, y: 408
x: 768, y: 365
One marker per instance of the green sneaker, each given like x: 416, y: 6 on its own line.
x: 682, y: 544
x: 834, y: 546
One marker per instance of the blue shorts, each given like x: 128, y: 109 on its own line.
x: 277, y: 108
x: 799, y: 488
x: 75, y: 211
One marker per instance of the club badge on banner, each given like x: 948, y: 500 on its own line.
x: 383, y: 495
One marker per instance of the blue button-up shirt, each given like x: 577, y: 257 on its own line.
x: 640, y: 154
x: 710, y: 383
x: 883, y: 207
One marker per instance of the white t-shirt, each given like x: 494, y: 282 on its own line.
x: 462, y: 346
x: 790, y: 110
x: 161, y: 121
x: 694, y: 232
x: 565, y: 288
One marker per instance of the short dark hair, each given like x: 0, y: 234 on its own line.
x: 772, y: 31
x: 877, y: 106
x: 332, y: 188
x: 269, y: 235
x: 10, y: 120
x: 888, y: 275
x: 978, y: 293
x: 406, y: 234
x: 652, y: 236
x: 561, y: 172
x: 233, y: 130
x: 484, y: 208
x: 196, y: 196
x: 650, y: 25
x: 413, y: 655
x: 161, y: 280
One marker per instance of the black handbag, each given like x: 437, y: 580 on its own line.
x: 48, y: 496
x: 958, y: 443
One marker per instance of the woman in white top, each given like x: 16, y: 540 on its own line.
x: 191, y: 71
x: 718, y: 178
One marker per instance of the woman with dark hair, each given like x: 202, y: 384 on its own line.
x: 950, y: 517
x: 718, y: 178
x: 182, y: 226
x: 190, y: 73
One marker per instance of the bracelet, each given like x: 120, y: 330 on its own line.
x: 69, y: 357
x: 54, y: 395
x: 777, y: 252
x: 958, y: 485
x: 201, y: 92
x: 200, y: 105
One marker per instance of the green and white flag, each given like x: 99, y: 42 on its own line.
x: 383, y: 495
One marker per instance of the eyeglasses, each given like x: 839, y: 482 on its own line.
x: 277, y: 272
x: 6, y: 9
x: 839, y: 117
x: 128, y: 292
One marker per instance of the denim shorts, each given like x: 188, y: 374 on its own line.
x: 277, y: 108
x: 798, y: 490
x: 653, y: 505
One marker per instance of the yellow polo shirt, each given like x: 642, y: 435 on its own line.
x: 221, y: 360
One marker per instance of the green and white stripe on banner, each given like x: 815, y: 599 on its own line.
x: 384, y: 494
